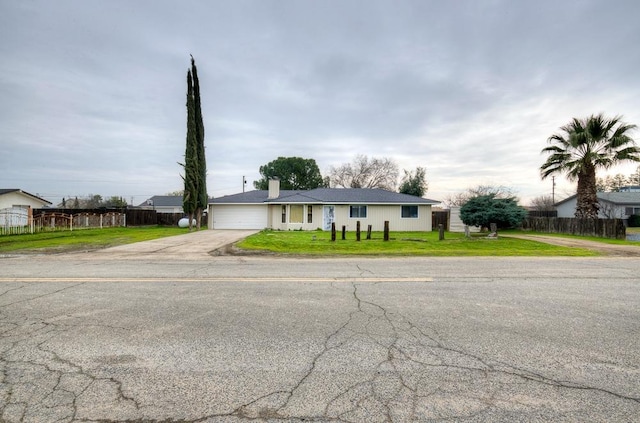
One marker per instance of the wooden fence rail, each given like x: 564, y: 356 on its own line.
x: 603, y: 228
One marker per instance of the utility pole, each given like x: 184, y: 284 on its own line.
x: 553, y: 189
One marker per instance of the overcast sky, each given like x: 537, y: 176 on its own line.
x: 92, y: 93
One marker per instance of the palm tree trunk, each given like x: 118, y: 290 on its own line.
x: 587, y: 201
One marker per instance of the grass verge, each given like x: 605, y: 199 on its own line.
x: 83, y: 239
x: 401, y: 244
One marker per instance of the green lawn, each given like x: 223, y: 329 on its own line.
x: 83, y: 239
x: 401, y: 244
x: 307, y: 243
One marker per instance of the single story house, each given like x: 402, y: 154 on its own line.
x: 17, y: 198
x: 164, y: 204
x: 16, y: 206
x: 319, y: 208
x: 613, y: 205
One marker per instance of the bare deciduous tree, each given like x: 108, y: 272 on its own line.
x: 457, y: 200
x: 612, y: 183
x: 634, y: 178
x: 364, y: 172
x: 542, y: 203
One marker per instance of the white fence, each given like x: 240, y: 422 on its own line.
x: 14, y: 221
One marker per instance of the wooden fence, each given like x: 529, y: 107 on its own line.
x: 62, y: 221
x: 44, y: 220
x: 21, y: 221
x: 542, y: 213
x: 603, y: 228
x: 140, y: 217
x: 440, y: 218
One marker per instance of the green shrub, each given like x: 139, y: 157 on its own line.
x: 486, y: 209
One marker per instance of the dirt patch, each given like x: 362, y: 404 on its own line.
x: 232, y: 250
x: 615, y: 250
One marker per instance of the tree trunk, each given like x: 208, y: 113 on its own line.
x: 587, y: 201
x: 198, y: 218
x: 190, y: 221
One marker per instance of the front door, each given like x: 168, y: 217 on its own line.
x: 328, y: 217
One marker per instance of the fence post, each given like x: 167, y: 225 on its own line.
x: 440, y: 232
x: 333, y: 231
x: 369, y: 232
x: 358, y: 230
x: 386, y: 230
x: 344, y: 232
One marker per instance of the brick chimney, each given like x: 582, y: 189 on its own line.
x: 274, y: 188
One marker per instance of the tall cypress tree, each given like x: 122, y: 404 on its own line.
x: 195, y: 196
x: 202, y: 197
x: 190, y: 196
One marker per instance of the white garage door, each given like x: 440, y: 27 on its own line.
x: 239, y: 217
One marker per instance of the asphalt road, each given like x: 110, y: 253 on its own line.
x: 179, y: 336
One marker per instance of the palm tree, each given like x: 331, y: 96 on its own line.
x: 584, y: 146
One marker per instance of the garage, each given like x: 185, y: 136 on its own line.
x: 234, y: 216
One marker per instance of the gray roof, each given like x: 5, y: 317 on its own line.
x: 620, y: 198
x: 163, y: 201
x: 325, y: 196
x: 250, y: 197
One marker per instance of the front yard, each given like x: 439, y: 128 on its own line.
x: 83, y: 239
x: 401, y: 244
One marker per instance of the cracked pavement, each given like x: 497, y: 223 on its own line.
x: 228, y: 339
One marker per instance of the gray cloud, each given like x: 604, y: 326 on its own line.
x: 92, y: 94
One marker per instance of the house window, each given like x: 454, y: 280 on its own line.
x: 409, y: 212
x: 284, y: 214
x: 295, y: 213
x: 631, y: 210
x: 309, y: 214
x: 358, y: 211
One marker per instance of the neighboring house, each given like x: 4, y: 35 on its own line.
x: 10, y: 198
x: 163, y: 204
x: 319, y: 208
x: 16, y: 206
x: 613, y: 205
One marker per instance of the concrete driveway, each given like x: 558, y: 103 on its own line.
x: 191, y: 246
